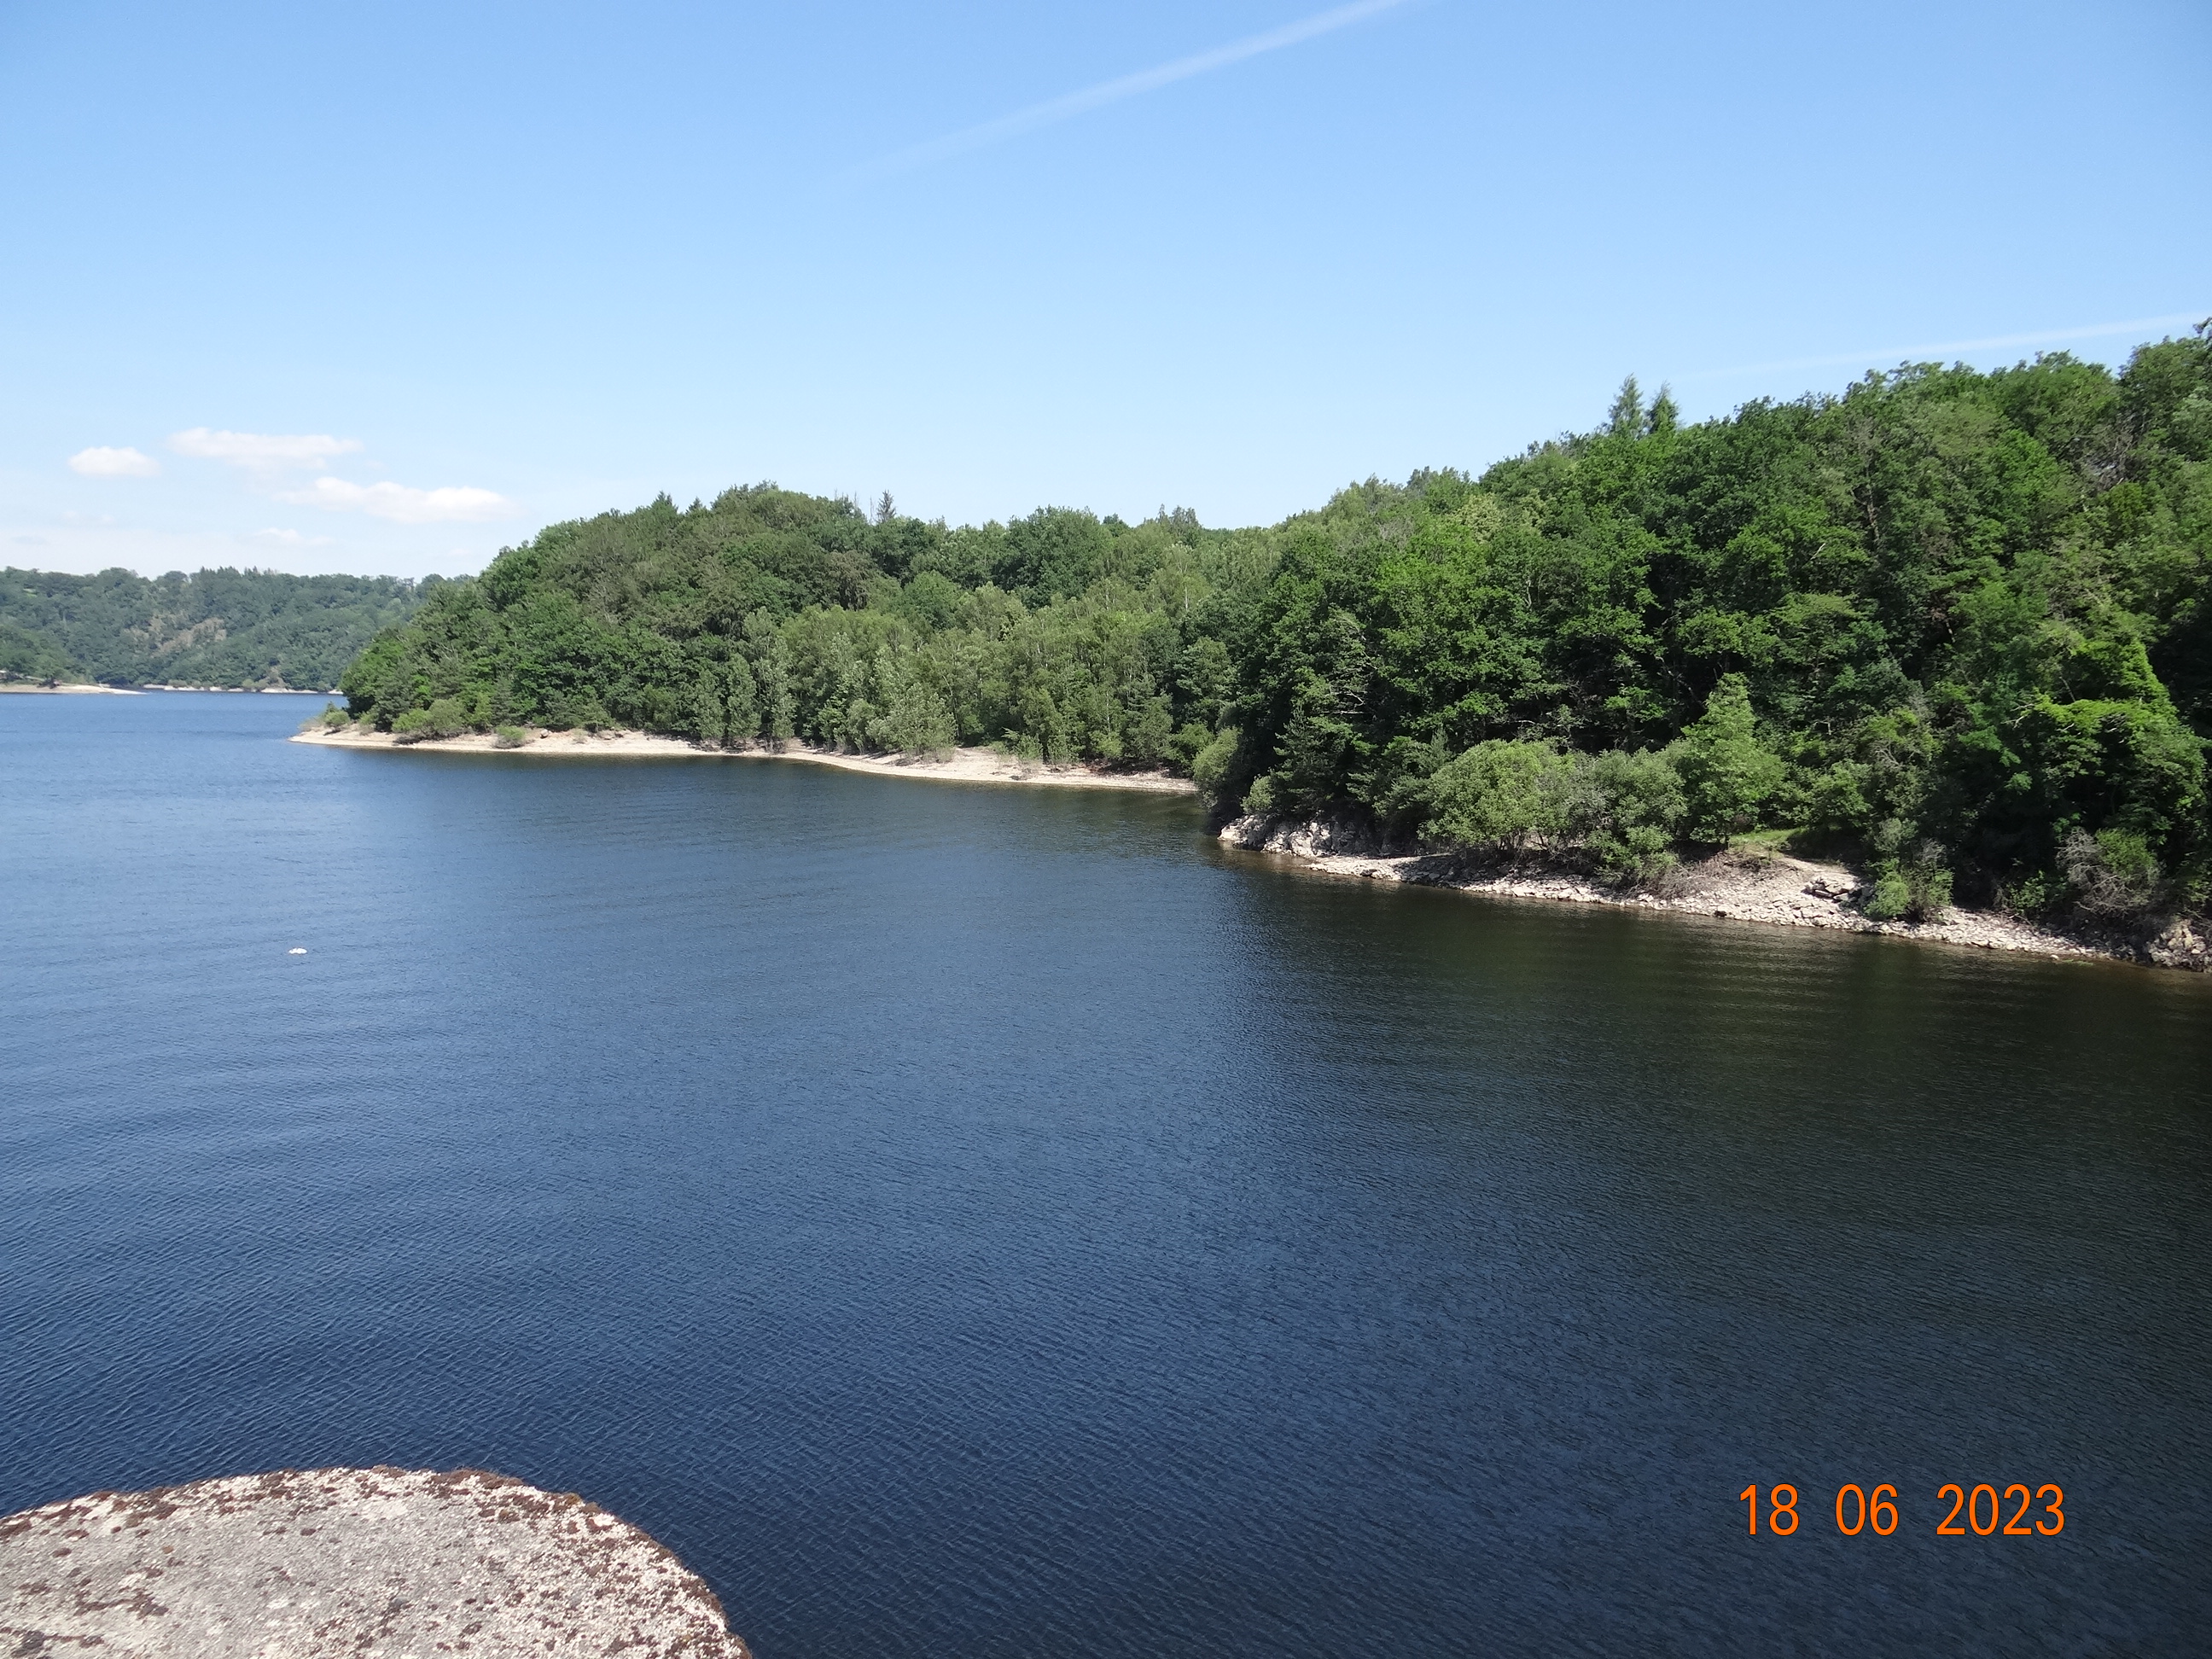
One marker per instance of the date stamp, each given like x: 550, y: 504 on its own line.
x: 1978, y: 1510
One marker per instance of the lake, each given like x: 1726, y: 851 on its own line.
x: 1004, y: 1222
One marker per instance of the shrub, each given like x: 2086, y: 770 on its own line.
x: 1631, y: 807
x: 1215, y: 769
x: 510, y: 737
x: 2030, y: 895
x: 1911, y: 878
x: 1502, y: 794
x: 1890, y: 899
x: 2113, y: 874
x: 1186, y: 744
x: 445, y: 718
x: 1642, y: 855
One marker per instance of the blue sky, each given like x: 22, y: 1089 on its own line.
x: 383, y: 288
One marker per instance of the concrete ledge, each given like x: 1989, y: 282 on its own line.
x: 347, y: 1561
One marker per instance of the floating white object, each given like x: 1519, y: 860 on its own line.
x: 297, y: 950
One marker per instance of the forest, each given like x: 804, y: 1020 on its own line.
x: 1954, y: 622
x: 244, y: 629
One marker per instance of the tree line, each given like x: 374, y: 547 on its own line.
x: 1956, y: 618
x: 244, y: 629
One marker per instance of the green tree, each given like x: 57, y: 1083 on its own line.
x: 1501, y: 794
x: 1727, y: 772
x: 726, y: 704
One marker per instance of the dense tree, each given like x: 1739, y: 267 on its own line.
x: 1965, y: 611
x: 227, y: 628
x: 769, y: 616
x: 1960, y: 617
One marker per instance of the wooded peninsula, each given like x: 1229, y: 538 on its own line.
x: 1955, y: 620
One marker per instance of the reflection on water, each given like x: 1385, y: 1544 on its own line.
x: 1006, y: 1222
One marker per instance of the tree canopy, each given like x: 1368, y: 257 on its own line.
x: 1957, y: 615
x: 227, y: 628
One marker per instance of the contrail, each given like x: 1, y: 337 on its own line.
x: 1112, y: 92
x: 1924, y: 353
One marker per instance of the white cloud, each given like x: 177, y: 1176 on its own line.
x: 101, y: 462
x: 288, y: 538
x: 262, y: 452
x: 454, y: 504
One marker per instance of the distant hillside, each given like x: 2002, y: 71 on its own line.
x: 230, y: 628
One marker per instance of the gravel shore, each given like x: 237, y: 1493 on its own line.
x: 347, y: 1561
x: 1746, y: 884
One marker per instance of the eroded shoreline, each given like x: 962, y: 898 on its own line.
x: 1746, y: 884
x: 1757, y: 884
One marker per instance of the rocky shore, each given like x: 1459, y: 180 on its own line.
x: 358, y: 1562
x: 1747, y: 883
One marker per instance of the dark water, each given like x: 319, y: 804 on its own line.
x: 997, y: 1222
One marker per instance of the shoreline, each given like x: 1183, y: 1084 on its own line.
x: 251, y: 690
x: 1754, y: 883
x: 1742, y: 883
x: 74, y: 689
x: 964, y: 765
x: 11, y: 688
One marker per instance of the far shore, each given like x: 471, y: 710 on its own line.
x: 141, y: 690
x: 17, y: 686
x: 959, y: 766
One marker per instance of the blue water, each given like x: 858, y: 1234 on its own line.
x: 1001, y: 1222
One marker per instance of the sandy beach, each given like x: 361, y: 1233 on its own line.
x: 962, y: 766
x: 71, y: 691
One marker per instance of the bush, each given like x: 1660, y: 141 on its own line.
x: 1890, y: 899
x: 1502, y: 794
x: 2110, y: 874
x: 1631, y: 805
x: 1214, y: 768
x: 1911, y: 879
x: 510, y: 737
x: 565, y: 713
x: 1642, y: 855
x: 445, y: 718
x: 2030, y: 895
x: 1185, y: 745
x: 333, y: 718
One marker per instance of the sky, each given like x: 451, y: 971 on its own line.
x: 384, y: 289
